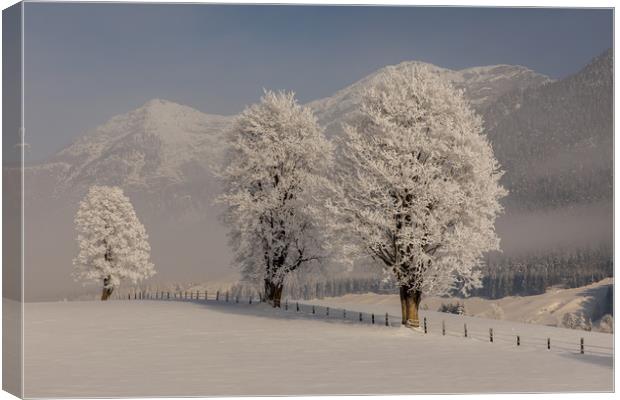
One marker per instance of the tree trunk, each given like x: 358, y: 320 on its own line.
x: 403, y: 305
x: 273, y: 293
x: 107, y: 291
x: 410, y: 304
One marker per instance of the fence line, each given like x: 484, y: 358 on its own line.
x: 330, y: 313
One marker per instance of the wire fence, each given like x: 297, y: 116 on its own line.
x: 386, y: 320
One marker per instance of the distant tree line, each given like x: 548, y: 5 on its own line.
x: 533, y: 273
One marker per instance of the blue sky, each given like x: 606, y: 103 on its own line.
x: 87, y: 62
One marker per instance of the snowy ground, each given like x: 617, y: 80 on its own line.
x: 175, y: 348
x: 544, y: 309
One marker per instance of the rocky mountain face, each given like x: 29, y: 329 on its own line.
x: 553, y: 138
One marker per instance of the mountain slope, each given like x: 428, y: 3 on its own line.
x: 481, y: 85
x: 157, y: 143
x: 555, y: 140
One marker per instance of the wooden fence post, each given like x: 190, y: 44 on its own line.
x: 227, y: 296
x: 425, y: 327
x: 129, y: 296
x: 286, y: 305
x: 217, y: 296
x: 443, y: 327
x: 206, y: 295
x: 491, y: 335
x: 372, y: 317
x: 387, y: 319
x: 548, y: 343
x: 297, y: 305
x: 250, y: 299
x: 360, y: 317
x: 518, y: 341
x: 344, y: 313
x: 465, y: 326
x: 581, y: 346
x: 327, y: 311
x: 313, y: 309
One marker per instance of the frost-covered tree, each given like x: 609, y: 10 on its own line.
x: 274, y: 172
x: 577, y: 320
x: 606, y: 324
x: 418, y: 185
x: 113, y: 244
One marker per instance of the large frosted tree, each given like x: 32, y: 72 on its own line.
x: 418, y: 186
x: 113, y: 244
x: 274, y: 173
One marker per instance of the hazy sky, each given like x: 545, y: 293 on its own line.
x: 88, y: 62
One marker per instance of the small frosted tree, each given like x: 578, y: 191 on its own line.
x: 418, y: 186
x: 113, y: 244
x: 606, y: 324
x: 274, y: 173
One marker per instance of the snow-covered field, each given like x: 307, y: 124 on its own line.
x: 543, y: 309
x: 166, y: 348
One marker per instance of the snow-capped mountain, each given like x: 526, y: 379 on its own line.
x: 481, y: 85
x: 159, y: 143
x: 162, y: 150
x: 167, y: 152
